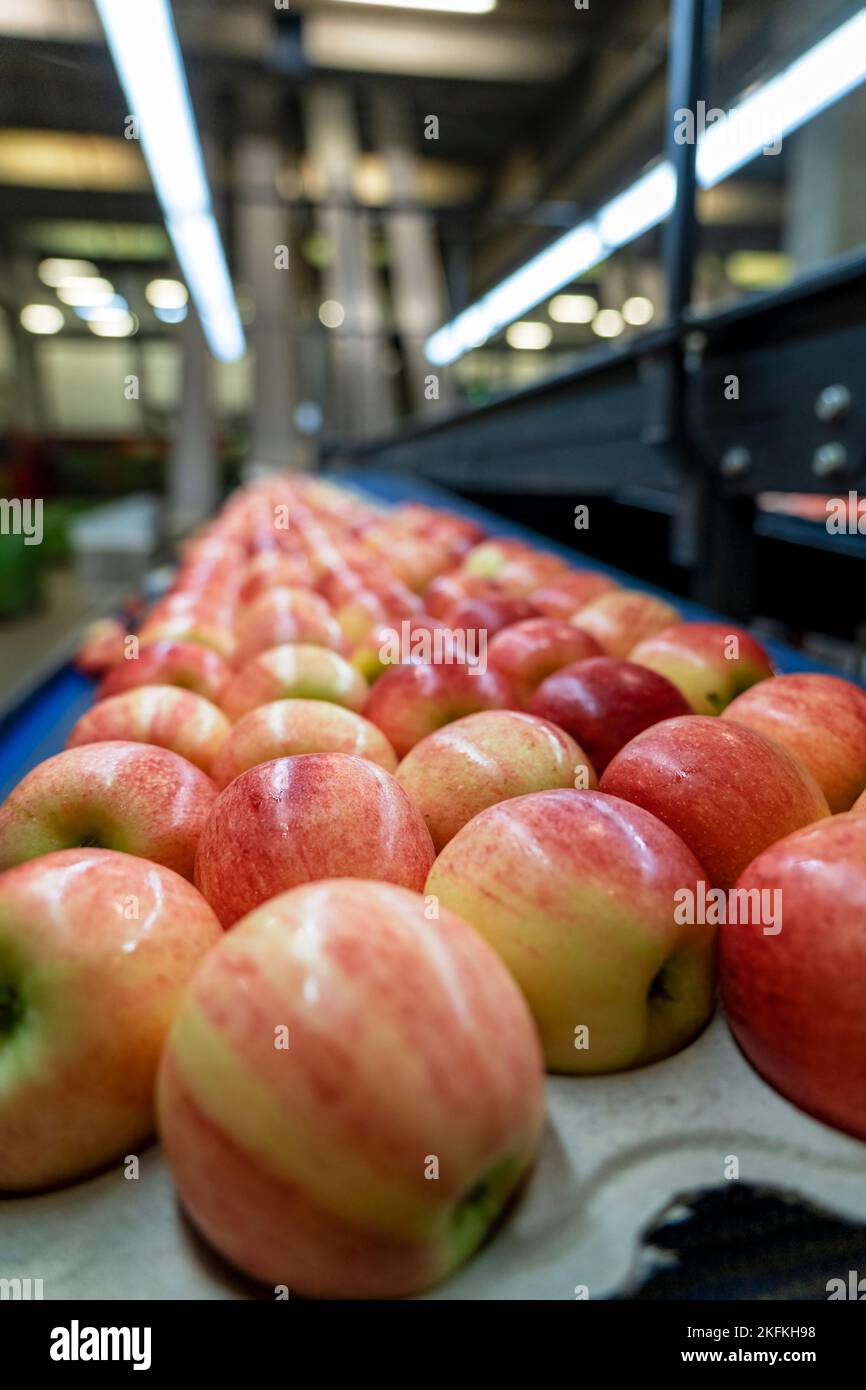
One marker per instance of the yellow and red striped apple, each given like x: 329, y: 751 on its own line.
x: 298, y: 670
x: 527, y: 653
x: 821, y: 720
x: 289, y: 727
x: 485, y: 758
x: 710, y: 663
x: 295, y: 820
x: 620, y: 619
x: 164, y: 715
x: 351, y: 1092
x: 575, y: 891
x: 728, y: 791
x: 132, y: 797
x: 410, y: 702
x: 95, y: 950
x: 794, y: 997
x: 183, y: 664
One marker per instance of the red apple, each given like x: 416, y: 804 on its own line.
x: 296, y: 671
x: 188, y: 724
x: 621, y: 619
x: 475, y: 762
x: 294, y: 820
x: 169, y: 663
x: 576, y: 892
x: 795, y: 997
x: 285, y: 615
x: 213, y: 635
x: 727, y: 791
x: 289, y: 727
x: 132, y: 797
x: 371, y: 1155
x: 709, y: 662
x: 95, y: 951
x: 570, y: 592
x: 821, y: 720
x: 604, y: 703
x: 410, y: 702
x: 101, y: 646
x: 526, y: 653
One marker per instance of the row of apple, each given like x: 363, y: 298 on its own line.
x: 432, y: 911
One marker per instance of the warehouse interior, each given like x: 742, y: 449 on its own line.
x: 584, y: 278
x: 374, y: 172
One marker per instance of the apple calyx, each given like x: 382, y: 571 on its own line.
x: 12, y: 1009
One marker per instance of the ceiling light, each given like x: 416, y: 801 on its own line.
x: 88, y: 291
x: 529, y: 337
x: 122, y: 326
x: 147, y: 56
x: 166, y: 294
x: 810, y: 84
x: 55, y: 271
x: 442, y: 6
x: 638, y: 310
x: 42, y: 318
x: 573, y: 308
x: 171, y: 315
x: 114, y: 308
x: 646, y: 203
x: 331, y: 313
x: 608, y: 323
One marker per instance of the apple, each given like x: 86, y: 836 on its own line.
x: 410, y: 702
x: 168, y: 663
x: 186, y: 723
x: 604, y: 703
x: 213, y: 635
x: 296, y: 671
x: 526, y: 653
x: 372, y: 1154
x: 132, y: 797
x: 575, y: 891
x: 101, y: 646
x: 95, y: 951
x: 273, y: 569
x: 294, y: 820
x: 570, y: 592
x: 728, y: 791
x: 821, y: 720
x: 859, y: 807
x: 794, y: 997
x: 289, y: 727
x: 489, y: 614
x: 620, y: 620
x: 285, y: 615
x: 709, y: 662
x: 475, y: 762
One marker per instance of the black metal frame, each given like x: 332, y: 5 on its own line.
x: 653, y: 417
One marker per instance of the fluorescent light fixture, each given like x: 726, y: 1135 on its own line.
x: 442, y: 6
x: 90, y: 291
x: 171, y: 315
x: 143, y: 43
x: 167, y: 294
x: 573, y: 308
x: 332, y: 314
x: 122, y: 327
x: 638, y: 310
x: 103, y: 313
x: 823, y: 75
x: 644, y: 205
x: 42, y: 318
x: 608, y: 323
x: 528, y: 336
x: 56, y: 272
